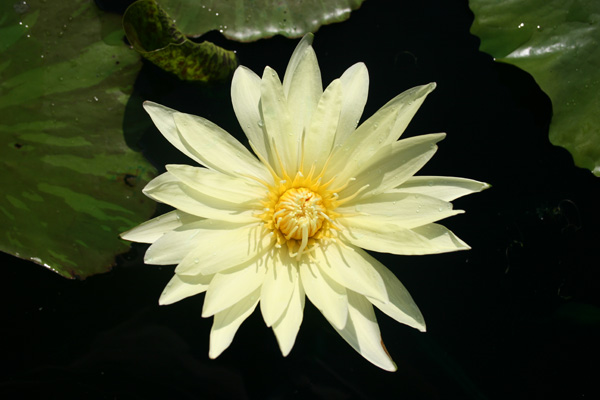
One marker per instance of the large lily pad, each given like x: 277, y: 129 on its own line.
x: 557, y: 43
x: 156, y: 37
x: 248, y: 20
x: 69, y: 182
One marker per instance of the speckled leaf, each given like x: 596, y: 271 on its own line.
x: 69, y: 182
x: 152, y: 32
x: 557, y: 42
x: 248, y: 20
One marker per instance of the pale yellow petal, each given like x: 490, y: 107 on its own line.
x: 277, y: 287
x: 245, y: 96
x: 355, y: 90
x: 227, y: 322
x: 441, y: 237
x: 163, y: 119
x: 295, y: 59
x: 407, y: 210
x: 400, y: 305
x: 320, y: 135
x: 325, y: 293
x: 362, y: 332
x: 229, y: 287
x: 391, y: 238
x: 304, y: 90
x: 166, y: 188
x: 174, y: 246
x: 442, y: 187
x: 225, y: 246
x: 276, y: 119
x: 382, y: 129
x: 221, y: 186
x: 351, y: 268
x: 217, y: 149
x: 287, y: 326
x: 180, y: 287
x: 151, y: 230
x: 391, y: 166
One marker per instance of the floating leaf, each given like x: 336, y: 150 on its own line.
x: 69, y: 182
x: 153, y: 33
x: 556, y: 42
x: 248, y: 20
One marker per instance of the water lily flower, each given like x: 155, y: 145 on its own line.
x: 292, y: 220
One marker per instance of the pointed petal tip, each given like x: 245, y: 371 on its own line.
x: 148, y: 105
x: 309, y: 37
x: 392, y: 367
x: 214, y: 354
x: 285, y: 350
x: 242, y: 70
x: 162, y: 300
x: 387, y: 364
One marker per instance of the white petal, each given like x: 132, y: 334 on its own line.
x: 287, y: 326
x: 245, y: 96
x: 172, y: 247
x: 227, y: 322
x: 221, y: 186
x: 216, y: 148
x: 151, y: 230
x: 163, y: 119
x: 277, y: 288
x: 180, y: 287
x: 390, y: 238
x: 355, y: 90
x: 319, y: 137
x: 392, y: 165
x: 441, y: 237
x: 166, y: 188
x: 326, y: 294
x: 446, y: 188
x: 276, y: 119
x: 225, y: 246
x: 407, y: 210
x: 295, y: 59
x: 362, y: 332
x: 229, y: 287
x: 400, y: 306
x: 304, y: 90
x: 383, y: 128
x: 351, y: 267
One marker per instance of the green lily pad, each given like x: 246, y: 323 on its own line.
x: 248, y: 20
x: 69, y: 182
x: 557, y: 43
x: 154, y: 34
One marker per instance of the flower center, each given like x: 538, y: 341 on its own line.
x: 299, y: 213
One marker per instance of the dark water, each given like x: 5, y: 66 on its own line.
x: 516, y: 317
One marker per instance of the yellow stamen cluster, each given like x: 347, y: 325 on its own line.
x: 299, y: 211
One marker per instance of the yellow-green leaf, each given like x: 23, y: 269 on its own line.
x: 154, y: 34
